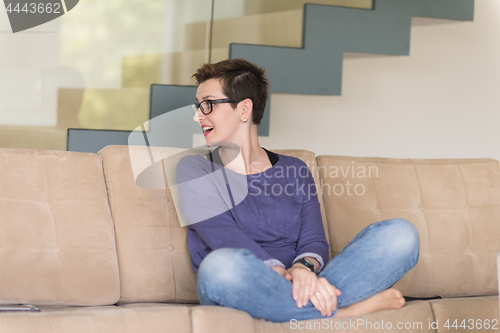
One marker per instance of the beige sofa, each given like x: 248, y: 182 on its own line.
x: 97, y: 253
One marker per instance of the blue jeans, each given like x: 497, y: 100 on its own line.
x: 373, y: 261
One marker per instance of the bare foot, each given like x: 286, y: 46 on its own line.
x: 390, y: 299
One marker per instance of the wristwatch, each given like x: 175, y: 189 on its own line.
x: 306, y: 262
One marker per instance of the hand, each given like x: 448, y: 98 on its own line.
x: 303, y: 283
x: 325, y: 297
x: 280, y: 270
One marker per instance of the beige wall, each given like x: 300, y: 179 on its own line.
x: 441, y: 101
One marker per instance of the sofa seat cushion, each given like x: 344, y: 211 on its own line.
x: 453, y: 203
x: 477, y: 314
x: 415, y: 315
x: 154, y: 318
x: 57, y: 241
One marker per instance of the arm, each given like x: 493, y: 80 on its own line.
x: 312, y: 242
x: 312, y: 245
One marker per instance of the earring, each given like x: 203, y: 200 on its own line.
x: 244, y: 120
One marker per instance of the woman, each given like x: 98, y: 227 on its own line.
x: 261, y: 247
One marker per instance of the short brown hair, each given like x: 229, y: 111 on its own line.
x: 240, y: 79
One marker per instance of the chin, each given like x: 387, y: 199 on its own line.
x: 208, y: 142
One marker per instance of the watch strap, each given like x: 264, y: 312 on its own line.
x: 306, y: 262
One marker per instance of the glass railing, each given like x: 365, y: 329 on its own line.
x: 93, y: 66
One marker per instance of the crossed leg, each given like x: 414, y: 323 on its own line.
x: 363, y: 271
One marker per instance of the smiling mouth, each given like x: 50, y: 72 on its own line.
x: 207, y: 130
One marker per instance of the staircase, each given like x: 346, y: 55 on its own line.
x: 308, y: 63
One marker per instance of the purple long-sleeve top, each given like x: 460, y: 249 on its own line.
x: 275, y: 213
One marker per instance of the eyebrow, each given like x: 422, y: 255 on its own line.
x: 204, y: 98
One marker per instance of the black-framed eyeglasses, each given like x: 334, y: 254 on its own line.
x: 206, y: 106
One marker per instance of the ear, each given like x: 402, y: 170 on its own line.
x: 246, y: 108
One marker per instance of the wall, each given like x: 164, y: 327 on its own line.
x: 442, y: 101
x: 438, y: 102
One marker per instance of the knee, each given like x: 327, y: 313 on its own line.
x: 403, y: 235
x: 223, y: 267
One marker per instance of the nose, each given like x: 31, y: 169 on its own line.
x: 196, y: 116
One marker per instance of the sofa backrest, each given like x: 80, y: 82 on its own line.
x: 153, y: 256
x: 453, y: 203
x: 57, y: 242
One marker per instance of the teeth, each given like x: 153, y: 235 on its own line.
x: 207, y: 128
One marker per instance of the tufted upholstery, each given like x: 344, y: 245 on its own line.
x: 57, y: 243
x: 454, y: 204
x: 58, y: 246
x: 152, y: 251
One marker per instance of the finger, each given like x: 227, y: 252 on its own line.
x: 334, y: 298
x: 328, y: 298
x: 336, y: 291
x: 306, y: 286
x: 295, y: 288
x: 302, y: 291
x: 330, y: 303
x: 330, y: 294
x: 310, y: 287
x: 296, y: 285
x: 314, y: 285
x: 322, y: 302
x: 317, y: 303
x: 331, y: 289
